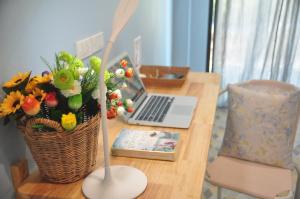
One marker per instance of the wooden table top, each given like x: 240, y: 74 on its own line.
x: 180, y: 179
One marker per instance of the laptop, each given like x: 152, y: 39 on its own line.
x: 153, y: 109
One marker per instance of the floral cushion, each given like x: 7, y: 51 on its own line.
x: 262, y: 122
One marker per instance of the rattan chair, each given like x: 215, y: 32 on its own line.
x: 251, y: 178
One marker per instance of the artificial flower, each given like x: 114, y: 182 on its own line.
x: 43, y: 79
x: 39, y: 94
x: 96, y: 94
x: 130, y: 109
x: 129, y: 73
x: 75, y: 102
x: 116, y: 94
x: 120, y: 73
x: 119, y: 103
x: 63, y: 79
x: 76, y: 63
x: 113, y: 96
x: 65, y: 56
x: 124, y: 63
x: 95, y: 63
x: 107, y: 76
x: 68, y: 121
x: 12, y: 102
x: 31, y: 106
x: 17, y: 80
x: 75, y: 72
x: 31, y: 85
x: 51, y: 100
x: 74, y: 90
x: 111, y: 113
x: 129, y: 103
x: 82, y: 70
x: 121, y: 110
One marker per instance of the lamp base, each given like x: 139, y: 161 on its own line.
x: 125, y: 183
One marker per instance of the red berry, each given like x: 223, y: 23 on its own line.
x: 120, y: 103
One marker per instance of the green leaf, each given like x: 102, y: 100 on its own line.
x: 55, y: 115
x: 89, y: 81
x: 47, y: 63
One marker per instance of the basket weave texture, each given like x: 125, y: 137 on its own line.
x: 63, y: 156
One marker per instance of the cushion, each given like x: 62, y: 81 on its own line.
x: 262, y: 122
x: 255, y: 179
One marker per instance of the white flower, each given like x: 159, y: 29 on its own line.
x: 129, y: 103
x: 121, y: 110
x: 82, y: 70
x: 96, y: 94
x: 75, y: 90
x: 120, y: 73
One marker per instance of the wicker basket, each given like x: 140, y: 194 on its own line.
x: 63, y: 156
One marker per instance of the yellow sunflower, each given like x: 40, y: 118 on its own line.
x: 31, y: 85
x: 43, y: 79
x: 17, y: 80
x: 34, y: 81
x: 12, y: 103
x: 39, y: 94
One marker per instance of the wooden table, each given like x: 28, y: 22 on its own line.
x: 181, y: 179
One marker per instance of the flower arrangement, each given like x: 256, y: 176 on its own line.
x: 68, y: 93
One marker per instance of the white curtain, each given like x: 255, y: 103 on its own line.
x: 257, y: 39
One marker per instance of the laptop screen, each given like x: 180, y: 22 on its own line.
x: 134, y: 89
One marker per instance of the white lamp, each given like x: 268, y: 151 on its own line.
x: 114, y: 182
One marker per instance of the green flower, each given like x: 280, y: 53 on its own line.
x: 75, y: 102
x: 95, y: 63
x: 65, y: 56
x: 63, y: 79
x: 107, y: 76
x: 75, y: 73
x: 77, y: 63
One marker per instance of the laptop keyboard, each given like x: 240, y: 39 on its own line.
x: 155, y: 109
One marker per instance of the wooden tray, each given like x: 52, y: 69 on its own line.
x: 154, y: 72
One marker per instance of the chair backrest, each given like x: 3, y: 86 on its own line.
x: 262, y: 122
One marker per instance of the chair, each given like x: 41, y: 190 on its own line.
x: 255, y: 177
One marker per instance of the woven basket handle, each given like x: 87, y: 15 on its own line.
x: 46, y: 122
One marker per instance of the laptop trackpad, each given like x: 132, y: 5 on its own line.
x: 182, y: 110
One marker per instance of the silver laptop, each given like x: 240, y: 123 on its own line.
x: 153, y: 109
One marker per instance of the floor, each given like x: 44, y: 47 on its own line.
x: 210, y: 191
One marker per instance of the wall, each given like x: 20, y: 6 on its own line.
x: 33, y: 28
x: 190, y: 33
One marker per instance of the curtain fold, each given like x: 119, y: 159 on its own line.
x: 257, y: 39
